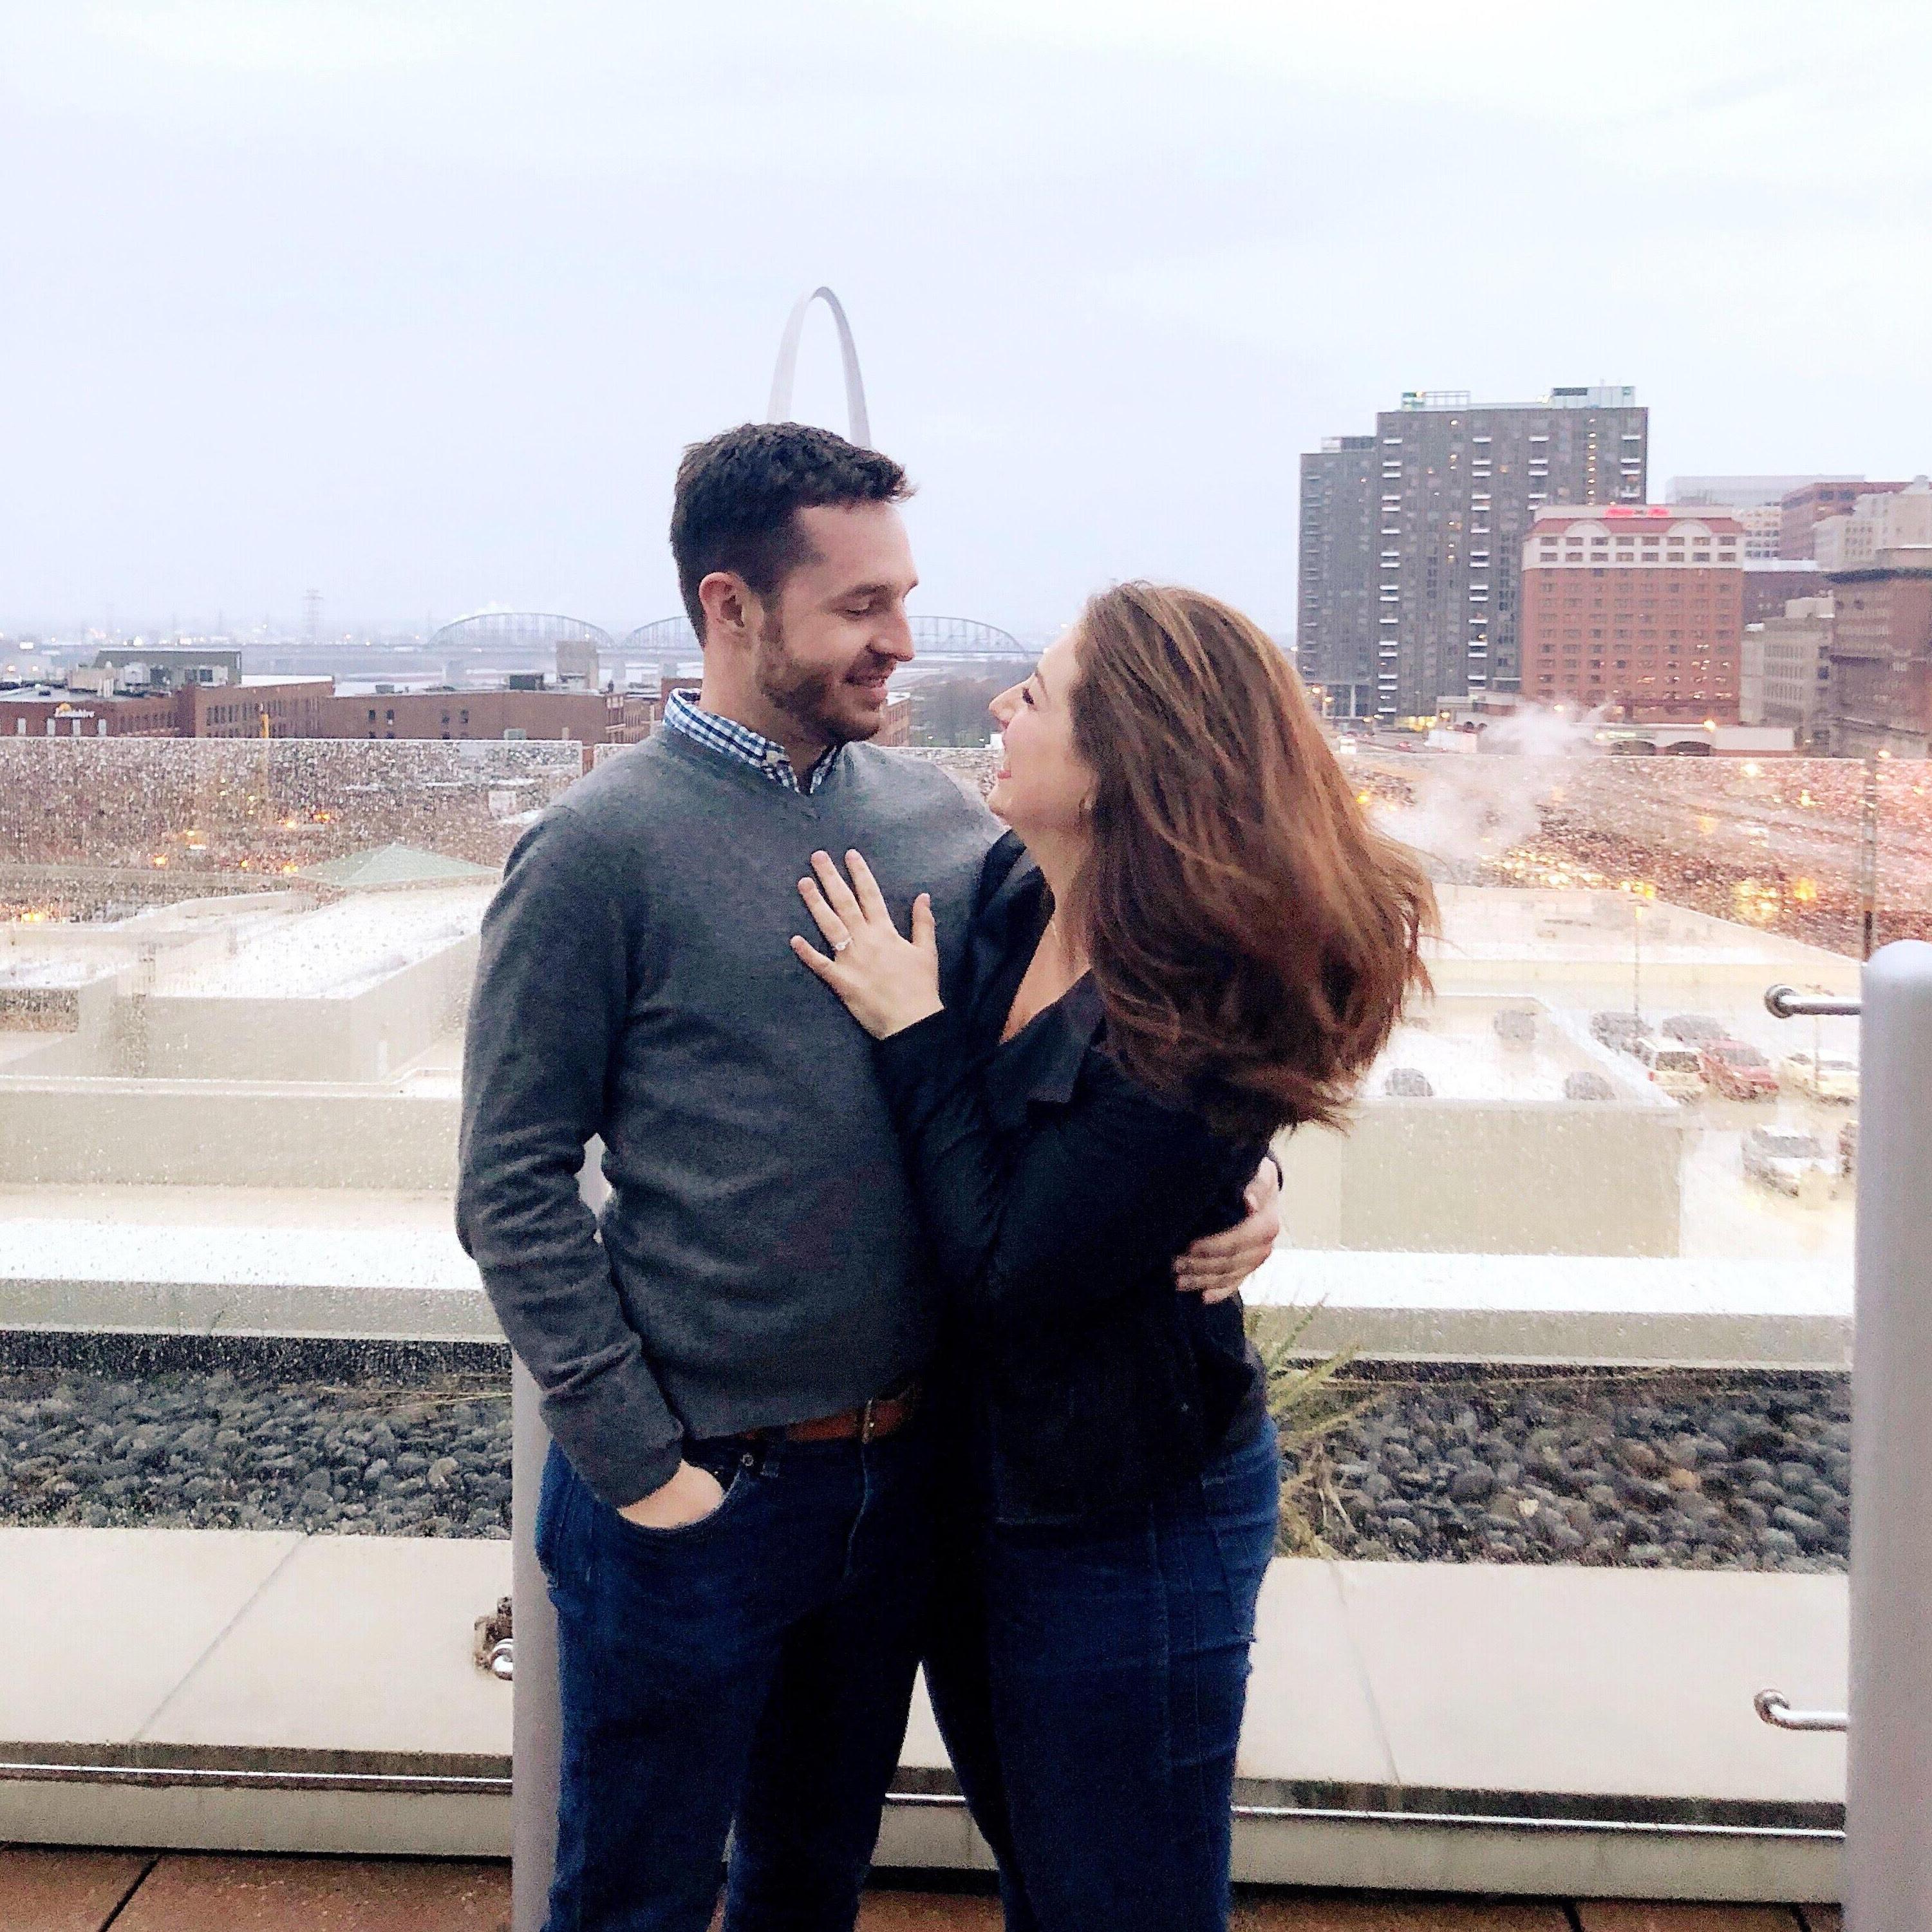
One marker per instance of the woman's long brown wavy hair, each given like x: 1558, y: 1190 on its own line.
x: 1251, y: 934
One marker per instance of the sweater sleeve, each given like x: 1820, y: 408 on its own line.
x: 551, y: 995
x: 1067, y: 1212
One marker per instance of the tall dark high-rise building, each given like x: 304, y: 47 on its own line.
x: 1335, y: 619
x: 1455, y: 486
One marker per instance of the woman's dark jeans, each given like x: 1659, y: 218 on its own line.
x: 1090, y: 1683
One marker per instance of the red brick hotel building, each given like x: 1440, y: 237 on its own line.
x: 1637, y: 609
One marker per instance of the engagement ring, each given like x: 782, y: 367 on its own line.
x: 840, y: 945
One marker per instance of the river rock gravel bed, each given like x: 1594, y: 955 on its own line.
x: 185, y: 1448
x: 1706, y: 1470
x: 1701, y: 1471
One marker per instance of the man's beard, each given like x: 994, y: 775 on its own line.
x: 803, y: 693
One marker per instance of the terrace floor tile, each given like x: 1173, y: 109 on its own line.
x: 1373, y: 1913
x: 928, y: 1911
x: 59, y: 1889
x: 1608, y: 1915
x: 188, y: 1893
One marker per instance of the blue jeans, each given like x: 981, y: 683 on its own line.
x: 749, y: 1674
x: 1089, y: 1684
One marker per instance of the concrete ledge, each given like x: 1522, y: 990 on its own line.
x: 1539, y: 1731
x: 1398, y: 1852
x: 56, y: 1304
x: 1678, y: 1312
x: 224, y: 1260
x: 229, y: 1819
x: 1410, y: 1854
x: 1393, y: 1852
x: 353, y: 1265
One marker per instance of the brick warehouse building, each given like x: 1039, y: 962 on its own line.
x: 311, y: 708
x: 255, y: 708
x: 583, y: 716
x: 38, y: 711
x: 1639, y: 608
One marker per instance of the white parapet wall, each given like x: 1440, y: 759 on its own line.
x: 358, y: 1036
x: 222, y: 1133
x: 1497, y: 1159
x: 1495, y: 1177
x: 269, y: 987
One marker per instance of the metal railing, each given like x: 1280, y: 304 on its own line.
x: 1775, y: 1709
x: 1787, y: 1003
x: 1888, y: 1726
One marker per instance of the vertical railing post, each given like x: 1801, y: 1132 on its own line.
x: 536, y: 1735
x: 534, y: 1727
x: 1888, y: 1792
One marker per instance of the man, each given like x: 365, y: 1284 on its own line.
x: 734, y: 1520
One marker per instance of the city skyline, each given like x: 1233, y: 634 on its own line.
x: 436, y: 345
x: 1411, y: 537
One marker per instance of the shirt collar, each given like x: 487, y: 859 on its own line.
x: 727, y: 737
x: 1074, y: 1025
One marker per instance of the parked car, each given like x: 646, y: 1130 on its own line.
x: 1848, y: 1148
x: 1620, y: 1030
x: 1697, y: 1029
x: 1825, y: 1076
x: 1736, y: 1069
x: 1408, y: 1083
x: 1785, y: 1160
x: 1586, y: 1084
x: 1673, y: 1067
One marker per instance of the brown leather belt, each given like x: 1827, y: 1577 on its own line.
x: 870, y: 1422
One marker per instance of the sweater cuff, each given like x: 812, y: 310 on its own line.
x: 618, y: 1433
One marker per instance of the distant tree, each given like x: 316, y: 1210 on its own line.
x: 953, y: 710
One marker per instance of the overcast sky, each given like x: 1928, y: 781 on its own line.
x: 415, y: 303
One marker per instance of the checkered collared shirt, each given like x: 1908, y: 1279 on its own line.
x: 734, y: 740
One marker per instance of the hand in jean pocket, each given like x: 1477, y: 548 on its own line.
x: 691, y: 1495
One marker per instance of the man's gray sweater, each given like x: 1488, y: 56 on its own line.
x: 760, y: 1260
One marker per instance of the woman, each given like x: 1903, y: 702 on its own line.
x: 1190, y: 938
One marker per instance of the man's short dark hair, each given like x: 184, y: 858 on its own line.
x: 737, y: 496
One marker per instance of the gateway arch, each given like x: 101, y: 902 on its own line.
x: 859, y: 428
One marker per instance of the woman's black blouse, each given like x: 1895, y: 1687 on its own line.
x: 1056, y: 1192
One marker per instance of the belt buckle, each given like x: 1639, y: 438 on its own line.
x: 866, y: 1425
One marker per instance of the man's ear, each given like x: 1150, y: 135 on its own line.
x: 723, y: 594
